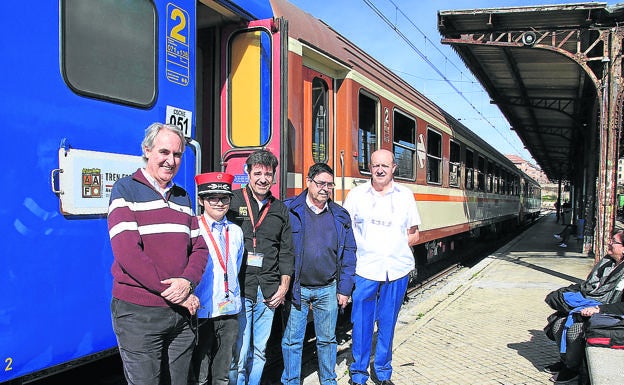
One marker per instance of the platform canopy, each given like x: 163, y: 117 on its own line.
x: 543, y: 66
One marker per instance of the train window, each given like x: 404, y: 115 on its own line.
x: 320, y: 134
x: 497, y: 179
x: 404, y: 144
x: 512, y: 185
x: 249, y: 96
x: 481, y: 174
x: 434, y: 157
x: 109, y: 49
x: 503, y: 182
x: 454, y: 165
x: 506, y: 182
x: 367, y: 130
x: 490, y: 177
x: 469, y: 184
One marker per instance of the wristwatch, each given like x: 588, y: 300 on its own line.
x: 191, y: 286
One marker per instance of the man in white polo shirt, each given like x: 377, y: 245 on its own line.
x: 385, y: 224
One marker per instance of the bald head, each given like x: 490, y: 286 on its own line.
x: 382, y: 168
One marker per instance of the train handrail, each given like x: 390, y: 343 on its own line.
x: 342, y: 175
x: 53, y: 181
x: 198, y: 157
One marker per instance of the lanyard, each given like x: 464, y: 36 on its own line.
x: 223, y: 262
x: 254, y: 226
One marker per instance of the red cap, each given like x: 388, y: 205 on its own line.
x: 214, y: 183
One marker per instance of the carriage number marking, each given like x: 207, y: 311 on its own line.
x: 181, y: 118
x: 8, y: 361
x: 175, y: 31
x: 386, y: 126
x: 178, y: 50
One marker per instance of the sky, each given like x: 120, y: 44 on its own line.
x: 417, y: 20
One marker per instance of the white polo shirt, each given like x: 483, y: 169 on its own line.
x: 380, y: 224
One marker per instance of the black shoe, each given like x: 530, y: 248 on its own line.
x: 566, y: 376
x: 554, y: 368
x: 357, y: 383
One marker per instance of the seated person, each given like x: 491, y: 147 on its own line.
x: 603, y: 276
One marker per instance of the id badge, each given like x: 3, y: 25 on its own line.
x: 226, y: 306
x: 255, y: 259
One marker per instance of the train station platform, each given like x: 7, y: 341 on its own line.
x: 485, y: 325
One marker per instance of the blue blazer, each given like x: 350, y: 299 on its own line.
x: 345, y: 261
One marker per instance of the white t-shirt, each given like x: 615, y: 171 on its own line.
x: 380, y: 224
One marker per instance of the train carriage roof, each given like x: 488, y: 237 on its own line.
x: 317, y: 34
x: 313, y: 32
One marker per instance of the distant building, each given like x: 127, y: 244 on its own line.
x: 530, y: 169
x: 549, y: 189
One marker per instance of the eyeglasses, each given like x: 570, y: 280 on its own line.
x: 215, y: 200
x: 329, y: 185
x: 614, y: 242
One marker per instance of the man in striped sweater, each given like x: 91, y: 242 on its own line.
x: 159, y: 257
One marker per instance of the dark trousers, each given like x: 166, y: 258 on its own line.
x: 575, y: 342
x: 212, y: 357
x: 155, y: 343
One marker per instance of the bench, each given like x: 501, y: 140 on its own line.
x: 605, y: 366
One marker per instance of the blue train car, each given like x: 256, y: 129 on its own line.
x: 82, y: 80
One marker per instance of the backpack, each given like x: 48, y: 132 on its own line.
x: 605, y: 330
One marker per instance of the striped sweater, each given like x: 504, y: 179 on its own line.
x: 153, y: 239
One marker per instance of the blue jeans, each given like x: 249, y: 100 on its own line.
x: 255, y: 322
x: 325, y: 311
x: 155, y: 343
x: 381, y: 302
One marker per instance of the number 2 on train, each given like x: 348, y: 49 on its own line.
x: 8, y: 361
x: 177, y: 14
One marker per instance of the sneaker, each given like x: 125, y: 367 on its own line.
x: 563, y: 245
x: 557, y: 236
x: 566, y: 376
x: 554, y: 368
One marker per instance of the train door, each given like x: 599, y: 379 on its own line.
x: 252, y: 102
x: 318, y: 125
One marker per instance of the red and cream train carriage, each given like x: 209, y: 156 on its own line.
x: 332, y: 102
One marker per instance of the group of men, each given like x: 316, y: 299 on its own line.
x: 194, y: 296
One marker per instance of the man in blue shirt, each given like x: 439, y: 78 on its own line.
x: 324, y: 273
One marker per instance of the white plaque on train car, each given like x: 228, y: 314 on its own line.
x: 181, y: 118
x: 87, y: 177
